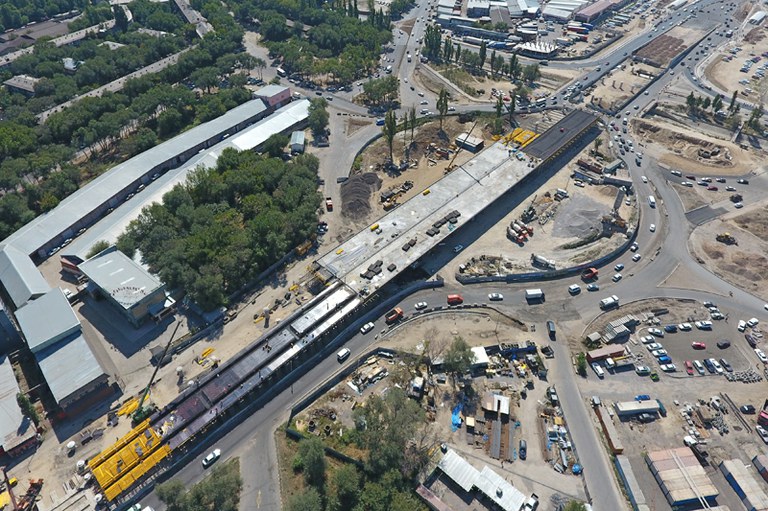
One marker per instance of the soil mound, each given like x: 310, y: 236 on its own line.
x: 356, y: 195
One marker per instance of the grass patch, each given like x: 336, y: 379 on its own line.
x: 461, y: 78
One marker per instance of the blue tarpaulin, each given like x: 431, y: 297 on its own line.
x: 455, y: 417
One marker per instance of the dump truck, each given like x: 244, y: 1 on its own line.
x: 394, y: 315
x: 589, y: 274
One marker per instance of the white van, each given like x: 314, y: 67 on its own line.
x: 652, y: 201
x: 342, y: 355
x: 598, y: 370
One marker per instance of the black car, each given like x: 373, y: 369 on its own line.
x: 670, y: 329
x: 747, y: 409
x: 726, y: 365
x: 723, y: 344
x: 710, y: 366
x: 743, y: 181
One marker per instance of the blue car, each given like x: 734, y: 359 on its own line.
x: 665, y: 360
x: 670, y: 329
x: 643, y: 397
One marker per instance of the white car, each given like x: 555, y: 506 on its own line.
x: 654, y: 346
x: 645, y: 179
x: 617, y: 277
x: 634, y: 247
x: 648, y: 339
x: 656, y: 332
x: 668, y: 368
x: 652, y: 227
x: 421, y: 305
x: 211, y: 458
x: 458, y: 248
x: 636, y: 257
x: 659, y: 353
x: 574, y: 289
x: 687, y: 183
x: 753, y: 322
x: 367, y: 328
x: 703, y: 325
x: 642, y: 370
x: 495, y: 297
x: 762, y: 432
x: 761, y: 355
x: 685, y: 327
x: 742, y: 325
x: 716, y: 365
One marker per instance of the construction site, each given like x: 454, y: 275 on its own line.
x: 17, y: 496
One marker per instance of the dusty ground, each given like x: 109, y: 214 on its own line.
x: 744, y: 264
x: 621, y: 84
x: 560, y: 224
x: 681, y: 150
x: 725, y: 74
x: 426, y: 335
x: 676, y: 390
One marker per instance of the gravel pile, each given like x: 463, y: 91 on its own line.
x: 578, y: 217
x: 356, y: 195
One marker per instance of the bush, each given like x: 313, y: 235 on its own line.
x: 297, y: 465
x: 581, y: 364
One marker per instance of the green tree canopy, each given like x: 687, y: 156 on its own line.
x: 458, y: 358
x: 308, y: 500
x: 318, y: 116
x: 312, y: 454
x: 275, y: 145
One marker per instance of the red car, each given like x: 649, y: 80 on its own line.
x: 691, y: 177
x: 698, y: 345
x: 689, y: 367
x: 712, y: 188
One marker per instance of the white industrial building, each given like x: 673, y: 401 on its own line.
x: 757, y: 18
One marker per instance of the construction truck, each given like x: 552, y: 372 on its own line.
x: 514, y: 236
x: 726, y: 238
x: 393, y: 316
x: 589, y: 274
x: 528, y: 230
x: 329, y: 204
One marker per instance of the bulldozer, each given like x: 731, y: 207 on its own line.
x: 726, y: 238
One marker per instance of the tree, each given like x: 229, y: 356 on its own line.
x: 575, y: 505
x: 705, y: 103
x: 499, y: 106
x: 493, y: 63
x: 581, y: 364
x: 121, y: 20
x: 717, y: 103
x: 514, y: 67
x: 346, y: 481
x: 512, y: 106
x: 171, y: 494
x: 733, y: 104
x: 206, y: 78
x: 458, y: 358
x: 413, y: 121
x: 690, y: 101
x: 598, y: 142
x: 390, y: 130
x: 482, y: 53
x: 531, y: 73
x: 318, y: 116
x: 432, y: 42
x: 312, y: 454
x: 442, y: 106
x: 754, y: 118
x: 27, y: 408
x: 275, y: 145
x: 308, y: 500
x: 96, y: 248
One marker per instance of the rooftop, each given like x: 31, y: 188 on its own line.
x: 270, y: 90
x: 23, y: 82
x: 458, y: 470
x: 112, y: 225
x: 120, y: 276
x: 47, y: 318
x: 494, y: 486
x: 560, y: 135
x: 20, y: 277
x: 69, y: 366
x: 14, y: 427
x: 84, y: 201
x: 282, y: 120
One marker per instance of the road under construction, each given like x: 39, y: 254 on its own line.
x: 350, y: 275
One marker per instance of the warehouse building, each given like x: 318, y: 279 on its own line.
x: 745, y: 484
x: 478, y: 8
x: 54, y: 336
x: 298, y: 142
x: 681, y: 477
x: 17, y: 432
x: 132, y: 290
x: 626, y: 409
x: 20, y: 280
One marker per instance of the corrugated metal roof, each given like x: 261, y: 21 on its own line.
x: 47, y: 319
x: 44, y: 228
x: 20, y: 277
x: 288, y: 117
x: 458, y: 470
x: 14, y: 428
x: 69, y: 366
x: 270, y: 90
x: 745, y: 484
x: 499, y: 490
x: 120, y: 276
x: 297, y: 137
